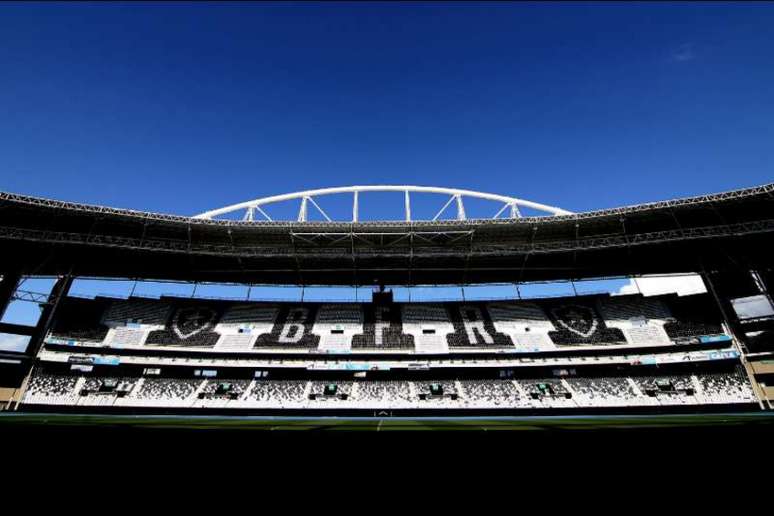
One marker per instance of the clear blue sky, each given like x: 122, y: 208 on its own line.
x: 186, y: 107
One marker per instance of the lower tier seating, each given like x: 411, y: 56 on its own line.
x: 619, y: 391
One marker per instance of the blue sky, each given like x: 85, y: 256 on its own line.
x: 182, y: 107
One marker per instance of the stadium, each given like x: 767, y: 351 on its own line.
x: 592, y: 358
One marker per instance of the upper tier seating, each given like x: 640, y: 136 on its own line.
x: 189, y: 325
x: 292, y: 328
x: 242, y: 323
x: 524, y: 322
x: 80, y: 319
x: 473, y: 327
x: 577, y: 322
x: 137, y: 311
x: 692, y: 316
x: 382, y: 329
x: 428, y: 325
x: 526, y: 326
x: 337, y: 324
x: 640, y: 319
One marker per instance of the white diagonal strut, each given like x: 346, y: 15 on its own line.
x: 505, y: 207
x: 263, y: 213
x: 320, y: 209
x: 451, y: 199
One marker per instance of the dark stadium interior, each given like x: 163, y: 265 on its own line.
x: 595, y: 355
x: 713, y: 232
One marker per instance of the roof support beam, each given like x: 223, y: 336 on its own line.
x: 460, y: 208
x: 263, y: 213
x: 302, y: 210
x: 451, y: 199
x: 320, y: 209
x: 455, y: 193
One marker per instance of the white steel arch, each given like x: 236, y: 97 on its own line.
x: 510, y: 206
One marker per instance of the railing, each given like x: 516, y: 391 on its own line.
x: 485, y: 299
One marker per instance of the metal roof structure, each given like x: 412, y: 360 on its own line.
x: 712, y: 232
x: 510, y: 204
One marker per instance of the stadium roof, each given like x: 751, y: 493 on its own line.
x: 510, y: 205
x: 722, y: 231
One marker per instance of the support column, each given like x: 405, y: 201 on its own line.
x: 60, y: 290
x: 764, y: 282
x: 726, y: 286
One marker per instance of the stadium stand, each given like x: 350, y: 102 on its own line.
x: 163, y: 392
x: 691, y: 317
x: 330, y: 391
x: 47, y: 389
x: 595, y: 354
x: 727, y: 387
x: 724, y: 387
x: 525, y: 323
x: 525, y: 326
x: 577, y: 322
x: 190, y: 325
x: 242, y: 323
x: 81, y: 320
x: 491, y: 393
x: 428, y: 325
x: 382, y: 329
x: 641, y: 319
x: 548, y: 392
x: 383, y: 394
x: 337, y: 325
x: 473, y: 327
x: 603, y: 392
x: 668, y: 390
x: 292, y: 329
x: 271, y: 393
x: 223, y: 389
x: 137, y: 311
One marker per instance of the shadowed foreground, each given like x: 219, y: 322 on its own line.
x: 556, y: 423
